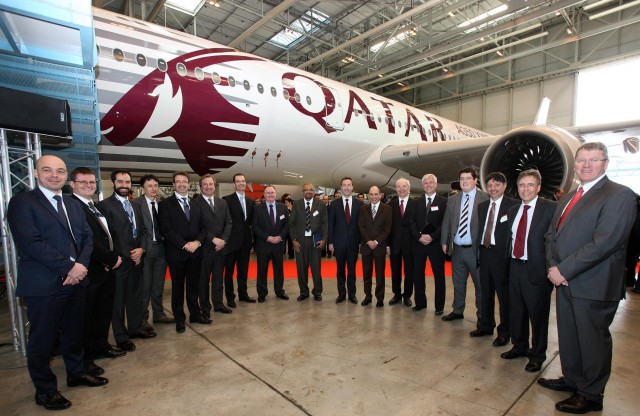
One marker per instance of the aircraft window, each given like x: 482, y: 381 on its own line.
x: 199, y: 74
x: 372, y: 117
x: 118, y: 55
x: 400, y: 123
x: 413, y: 127
x: 246, y: 85
x: 216, y: 78
x: 386, y: 120
x: 308, y: 100
x: 297, y: 97
x: 141, y: 59
x: 379, y: 119
x: 274, y: 92
x: 285, y: 94
x: 260, y: 88
x: 232, y: 82
x: 162, y: 65
x: 182, y: 70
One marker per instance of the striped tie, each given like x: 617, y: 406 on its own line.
x: 307, y: 212
x: 464, y: 218
x: 373, y: 211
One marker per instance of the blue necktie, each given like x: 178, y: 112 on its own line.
x: 187, y: 211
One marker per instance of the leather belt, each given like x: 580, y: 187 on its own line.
x: 519, y: 260
x: 463, y: 245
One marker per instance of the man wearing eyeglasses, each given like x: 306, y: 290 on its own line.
x: 585, y: 249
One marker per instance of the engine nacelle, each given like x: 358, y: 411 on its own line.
x: 548, y: 149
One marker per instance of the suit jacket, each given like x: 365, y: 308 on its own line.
x: 341, y: 234
x: 217, y: 222
x: 319, y: 222
x: 44, y: 244
x: 542, y: 214
x: 178, y: 231
x: 377, y: 229
x: 400, y: 237
x: 418, y: 221
x: 590, y: 247
x: 241, y: 234
x: 141, y: 202
x: 263, y: 229
x: 120, y: 226
x: 501, y: 230
x: 452, y: 219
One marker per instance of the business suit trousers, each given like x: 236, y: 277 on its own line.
x: 275, y: 257
x: 437, y: 258
x: 238, y: 258
x: 308, y: 256
x: 128, y: 298
x: 463, y: 263
x: 154, y: 272
x: 346, y: 258
x: 47, y: 315
x: 529, y: 303
x: 98, y: 312
x: 368, y: 262
x: 493, y: 282
x: 397, y: 260
x: 585, y: 342
x: 185, y: 271
x: 212, y: 271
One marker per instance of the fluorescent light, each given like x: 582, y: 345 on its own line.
x: 499, y: 53
x: 190, y: 7
x: 596, y: 4
x: 614, y: 9
x: 451, y: 14
x: 484, y: 15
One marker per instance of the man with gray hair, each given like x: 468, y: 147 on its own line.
x: 400, y: 244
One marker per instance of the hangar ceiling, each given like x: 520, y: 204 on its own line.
x: 419, y: 52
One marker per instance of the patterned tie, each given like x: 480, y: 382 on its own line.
x: 211, y: 204
x: 574, y: 201
x: 154, y: 219
x: 347, y: 212
x: 426, y: 220
x: 402, y: 208
x: 464, y: 218
x: 488, y: 232
x: 521, y: 234
x: 129, y: 210
x: 98, y: 214
x: 374, y: 211
x: 272, y: 216
x: 307, y: 212
x: 93, y: 209
x: 187, y: 211
x: 65, y: 221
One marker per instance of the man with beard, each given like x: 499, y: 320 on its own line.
x: 129, y: 235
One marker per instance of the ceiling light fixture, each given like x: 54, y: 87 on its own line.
x: 596, y: 4
x: 614, y: 9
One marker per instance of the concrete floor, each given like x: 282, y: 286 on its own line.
x: 318, y: 358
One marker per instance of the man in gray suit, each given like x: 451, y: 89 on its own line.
x: 308, y: 228
x: 459, y: 240
x: 154, y: 266
x: 585, y: 249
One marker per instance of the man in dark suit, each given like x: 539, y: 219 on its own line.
x: 154, y: 264
x: 374, y: 222
x: 129, y: 238
x: 344, y: 239
x: 425, y: 224
x: 308, y: 228
x: 218, y: 223
x: 529, y: 289
x: 54, y: 245
x: 184, y: 230
x: 586, y: 245
x: 101, y: 275
x: 238, y: 247
x: 271, y: 226
x: 400, y: 255
x: 493, y: 235
x: 459, y: 233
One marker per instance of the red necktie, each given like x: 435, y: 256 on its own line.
x: 347, y: 212
x: 521, y: 234
x: 574, y: 201
x: 402, y: 208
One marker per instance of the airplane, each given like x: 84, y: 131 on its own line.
x: 171, y: 101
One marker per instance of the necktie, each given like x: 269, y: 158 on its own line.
x: 98, y: 214
x: 129, y: 210
x: 402, y: 208
x: 374, y: 211
x: 521, y: 234
x: 272, y: 216
x: 488, y: 232
x: 154, y: 219
x: 307, y: 212
x: 187, y: 211
x: 347, y: 211
x: 244, y: 208
x: 464, y: 218
x: 426, y: 221
x: 211, y: 204
x: 574, y: 201
x: 93, y: 209
x: 65, y: 221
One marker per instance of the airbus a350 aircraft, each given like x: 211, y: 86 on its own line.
x: 170, y: 101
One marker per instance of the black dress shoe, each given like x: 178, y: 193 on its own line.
x: 87, y: 380
x: 479, y: 333
x: 144, y: 335
x: 500, y: 341
x: 283, y: 296
x: 223, y: 309
x: 452, y: 316
x: 513, y: 353
x: 439, y: 312
x: 317, y: 297
x: 366, y: 301
x: 533, y: 367
x: 93, y: 370
x: 353, y: 300
x: 164, y: 320
x: 395, y: 299
x: 261, y: 298
x: 408, y: 303
x: 200, y: 320
x: 180, y: 328
x: 146, y: 327
x: 127, y: 346
x: 53, y: 401
x: 302, y: 297
x: 340, y: 298
x: 206, y: 314
x: 379, y: 303
x: 578, y: 404
x: 247, y: 299
x: 231, y: 303
x: 110, y: 352
x: 557, y: 384
x: 418, y: 308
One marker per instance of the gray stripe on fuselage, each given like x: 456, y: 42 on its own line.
x: 138, y: 158
x: 146, y: 143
